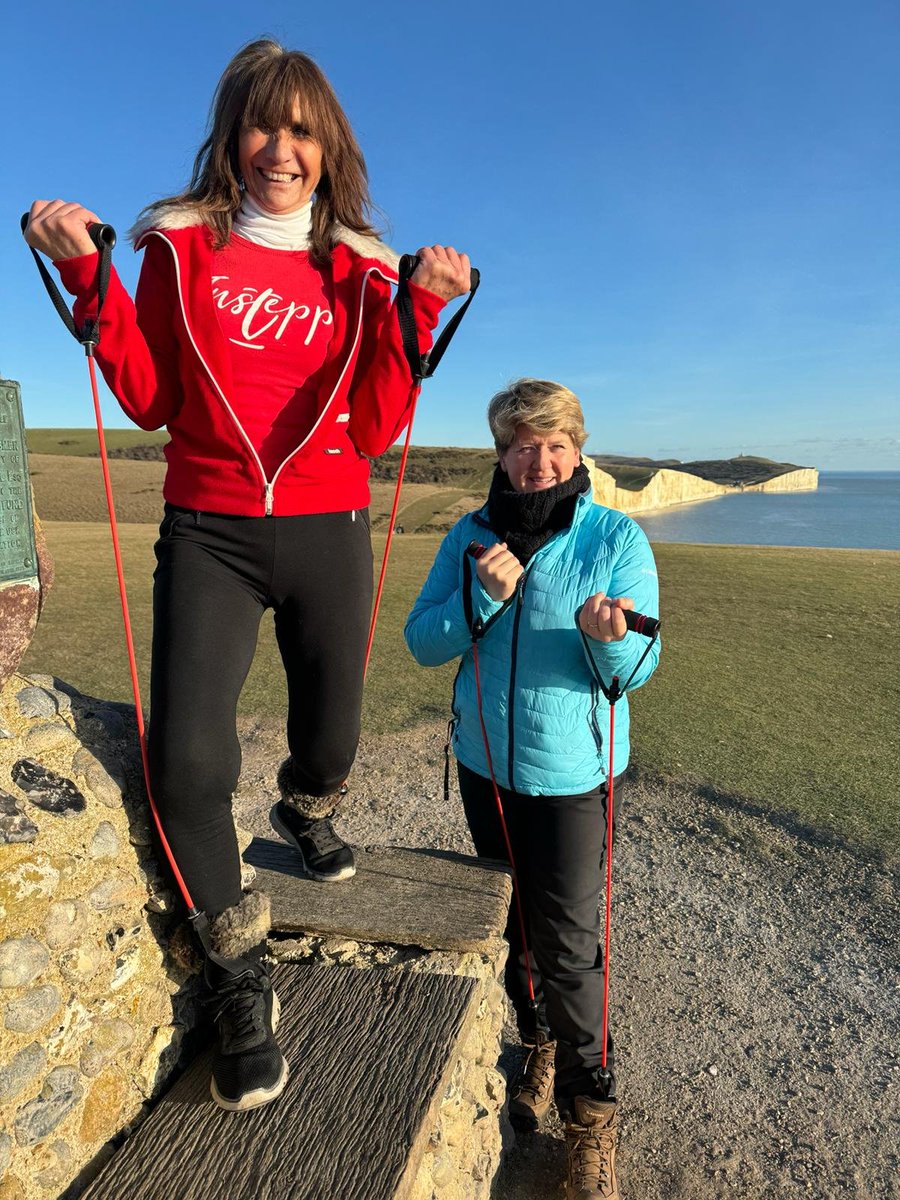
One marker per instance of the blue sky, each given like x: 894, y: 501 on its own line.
x: 686, y: 212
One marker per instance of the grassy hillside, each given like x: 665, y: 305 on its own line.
x: 452, y: 466
x: 81, y: 442
x: 776, y: 685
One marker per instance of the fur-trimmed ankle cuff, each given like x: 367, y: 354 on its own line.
x: 313, y: 808
x: 232, y: 933
x: 238, y: 929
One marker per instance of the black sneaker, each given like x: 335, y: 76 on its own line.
x: 248, y: 1069
x: 325, y: 856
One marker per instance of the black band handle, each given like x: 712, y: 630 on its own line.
x: 104, y: 238
x: 423, y: 366
x: 635, y: 621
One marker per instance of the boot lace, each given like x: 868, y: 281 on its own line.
x: 537, y: 1078
x: 237, y: 1000
x: 323, y: 837
x: 591, y: 1155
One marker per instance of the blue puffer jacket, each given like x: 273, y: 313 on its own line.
x: 546, y: 716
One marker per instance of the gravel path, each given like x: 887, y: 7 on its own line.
x: 754, y: 992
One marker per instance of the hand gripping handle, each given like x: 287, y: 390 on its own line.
x: 409, y: 262
x: 104, y: 238
x: 422, y: 366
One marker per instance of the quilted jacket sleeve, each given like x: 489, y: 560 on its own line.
x: 634, y: 575
x: 436, y: 629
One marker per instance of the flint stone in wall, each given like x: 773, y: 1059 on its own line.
x: 62, y: 1090
x: 35, y: 702
x: 108, y: 788
x: 5, y: 1151
x: 21, y: 1071
x: 42, y: 739
x: 32, y: 1009
x: 110, y: 721
x: 107, y: 1041
x: 47, y: 790
x: 15, y: 826
x: 42, y: 702
x: 81, y: 963
x: 22, y: 960
x: 65, y: 923
x: 53, y: 1164
x: 119, y: 936
x: 127, y: 966
x: 105, y: 842
x: 114, y: 893
x: 66, y: 1040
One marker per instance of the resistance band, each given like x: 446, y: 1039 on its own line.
x: 634, y: 622
x: 422, y: 366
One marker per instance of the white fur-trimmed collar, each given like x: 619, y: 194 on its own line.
x: 187, y: 215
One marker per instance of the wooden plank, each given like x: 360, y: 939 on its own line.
x: 370, y: 1053
x: 430, y: 898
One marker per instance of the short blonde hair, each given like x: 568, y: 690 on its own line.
x: 540, y: 405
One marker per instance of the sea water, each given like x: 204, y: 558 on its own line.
x: 848, y: 509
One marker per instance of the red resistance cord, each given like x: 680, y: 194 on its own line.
x: 414, y: 396
x: 609, y: 857
x: 129, y: 641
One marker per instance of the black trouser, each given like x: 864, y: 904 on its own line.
x: 215, y: 577
x: 559, y: 844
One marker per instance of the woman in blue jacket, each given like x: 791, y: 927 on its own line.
x: 545, y: 604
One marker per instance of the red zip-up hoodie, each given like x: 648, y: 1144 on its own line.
x: 167, y: 362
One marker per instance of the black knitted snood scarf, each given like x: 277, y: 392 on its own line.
x: 526, y: 520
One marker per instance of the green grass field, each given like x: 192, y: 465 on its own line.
x: 83, y: 442
x: 778, y: 682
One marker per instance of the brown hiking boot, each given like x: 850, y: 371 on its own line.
x: 532, y: 1092
x: 592, y: 1134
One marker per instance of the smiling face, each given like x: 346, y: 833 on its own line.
x: 281, y: 167
x: 537, y: 461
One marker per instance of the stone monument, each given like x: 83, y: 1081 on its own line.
x: 26, y: 570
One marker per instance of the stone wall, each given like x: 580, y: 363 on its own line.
x: 92, y: 1014
x: 470, y: 1130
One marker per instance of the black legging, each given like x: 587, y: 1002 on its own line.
x: 216, y: 575
x: 559, y: 844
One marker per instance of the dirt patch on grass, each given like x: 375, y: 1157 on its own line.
x: 753, y: 994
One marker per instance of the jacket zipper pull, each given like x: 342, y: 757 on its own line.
x: 270, y: 499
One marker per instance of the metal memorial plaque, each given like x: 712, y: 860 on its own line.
x: 18, y: 555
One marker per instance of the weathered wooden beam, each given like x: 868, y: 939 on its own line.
x: 429, y: 898
x: 370, y: 1053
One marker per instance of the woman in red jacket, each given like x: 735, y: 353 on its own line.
x: 264, y: 338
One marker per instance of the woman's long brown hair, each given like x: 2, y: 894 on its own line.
x: 259, y: 88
